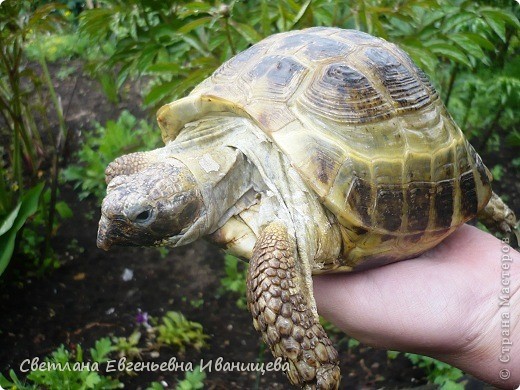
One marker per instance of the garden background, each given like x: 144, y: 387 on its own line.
x: 80, y: 82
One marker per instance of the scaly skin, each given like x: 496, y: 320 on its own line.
x: 497, y: 215
x: 128, y: 164
x: 282, y: 314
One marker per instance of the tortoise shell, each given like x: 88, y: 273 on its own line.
x: 359, y: 121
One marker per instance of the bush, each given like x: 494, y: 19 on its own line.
x: 55, y: 47
x: 102, y: 146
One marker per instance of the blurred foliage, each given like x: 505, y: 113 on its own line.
x: 128, y: 346
x: 58, y: 46
x: 437, y: 372
x: 23, y: 111
x: 184, y: 42
x: 175, y: 330
x: 33, y: 237
x: 193, y: 380
x: 68, y: 370
x: 73, y: 6
x: 179, y: 45
x: 14, y: 221
x: 235, y: 280
x: 486, y: 100
x: 102, y: 145
x: 18, y: 85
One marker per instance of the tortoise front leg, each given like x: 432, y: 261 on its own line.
x: 281, y: 312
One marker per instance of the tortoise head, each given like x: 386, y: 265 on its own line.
x: 146, y: 208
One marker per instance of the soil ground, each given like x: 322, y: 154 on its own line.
x: 86, y: 298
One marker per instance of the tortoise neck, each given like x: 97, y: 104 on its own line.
x: 222, y: 172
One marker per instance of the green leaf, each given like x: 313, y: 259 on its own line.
x: 28, y: 206
x: 305, y: 11
x: 205, y: 62
x: 450, y: 51
x: 9, y: 220
x: 159, y: 91
x: 195, y: 24
x: 453, y: 22
x: 468, y: 45
x: 447, y: 384
x: 481, y: 40
x: 513, y: 138
x: 101, y: 350
x: 265, y: 19
x: 424, y: 58
x: 195, y: 77
x: 7, y: 244
x: 146, y: 57
x: 248, y: 32
x: 392, y: 354
x: 155, y: 386
x: 165, y: 67
x: 195, y: 44
x: 194, y: 8
x: 4, y: 382
x: 92, y: 380
x: 507, y: 16
x: 64, y: 210
x: 97, y: 22
x: 497, y: 24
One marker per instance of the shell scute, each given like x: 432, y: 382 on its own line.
x: 386, y: 171
x: 469, y: 204
x: 423, y: 78
x: 444, y: 203
x: 324, y: 48
x: 403, y: 86
x: 417, y: 167
x: 462, y: 158
x: 275, y: 77
x: 230, y: 69
x: 389, y: 206
x: 444, y: 164
x: 315, y: 153
x: 359, y: 199
x: 356, y: 37
x: 289, y: 44
x: 270, y: 117
x: 342, y: 94
x: 419, y: 194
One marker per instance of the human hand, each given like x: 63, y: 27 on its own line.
x: 444, y: 304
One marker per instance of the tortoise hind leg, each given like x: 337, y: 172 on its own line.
x: 276, y: 294
x: 497, y: 216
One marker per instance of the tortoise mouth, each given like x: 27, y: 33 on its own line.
x: 116, y: 232
x: 103, y: 239
x: 172, y: 241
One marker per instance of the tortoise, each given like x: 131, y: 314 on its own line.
x: 319, y: 150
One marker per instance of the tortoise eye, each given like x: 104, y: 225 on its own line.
x: 143, y: 216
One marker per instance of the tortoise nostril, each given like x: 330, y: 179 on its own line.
x: 143, y: 216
